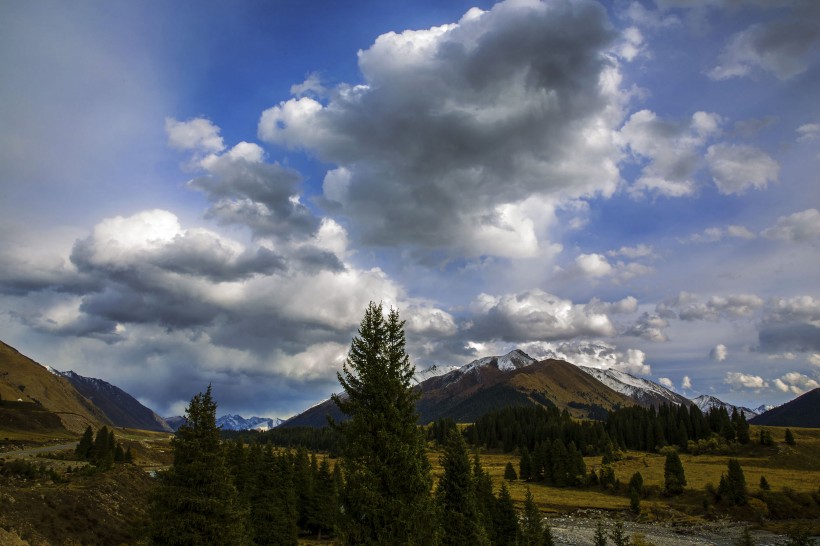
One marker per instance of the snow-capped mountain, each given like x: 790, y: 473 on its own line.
x: 433, y: 371
x: 511, y: 361
x: 237, y: 422
x: 706, y: 402
x: 763, y: 408
x: 643, y: 391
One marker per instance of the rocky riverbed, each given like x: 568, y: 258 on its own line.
x: 578, y: 529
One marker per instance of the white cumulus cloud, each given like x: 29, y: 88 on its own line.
x: 738, y: 380
x: 737, y: 168
x: 798, y: 227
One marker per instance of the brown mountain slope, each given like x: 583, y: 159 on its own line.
x: 803, y: 411
x: 467, y: 393
x: 550, y: 382
x: 21, y: 378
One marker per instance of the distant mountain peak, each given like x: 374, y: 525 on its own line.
x: 706, y: 402
x: 513, y: 360
x: 237, y: 422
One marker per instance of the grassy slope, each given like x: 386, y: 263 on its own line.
x: 23, y: 378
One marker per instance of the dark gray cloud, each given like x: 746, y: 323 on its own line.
x: 688, y: 307
x: 454, y: 122
x: 791, y: 325
x: 797, y: 337
x: 247, y: 191
x: 650, y: 327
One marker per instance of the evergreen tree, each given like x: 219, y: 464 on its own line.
x: 532, y: 527
x: 485, y: 499
x: 636, y: 483
x: 618, y: 534
x: 673, y: 475
x: 102, y: 453
x: 196, y: 502
x: 509, y: 472
x: 743, y: 430
x: 272, y: 499
x: 456, y: 496
x: 764, y: 484
x: 789, y: 437
x: 505, y: 520
x: 733, y: 485
x: 328, y: 497
x: 119, y: 454
x: 525, y: 466
x: 560, y: 469
x: 634, y: 501
x: 303, y: 485
x: 386, y: 499
x: 83, y: 449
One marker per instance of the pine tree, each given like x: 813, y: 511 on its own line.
x: 509, y: 472
x: 485, y: 499
x: 196, y: 503
x: 789, y: 437
x: 673, y: 475
x: 505, y: 520
x: 618, y: 534
x: 532, y: 527
x: 525, y: 466
x: 84, y: 447
x: 456, y: 496
x: 328, y: 496
x: 272, y: 499
x: 743, y: 430
x: 102, y: 453
x: 386, y: 499
x: 733, y: 485
x: 764, y: 484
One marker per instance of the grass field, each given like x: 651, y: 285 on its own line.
x: 796, y: 468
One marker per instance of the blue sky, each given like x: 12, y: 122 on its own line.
x: 211, y: 192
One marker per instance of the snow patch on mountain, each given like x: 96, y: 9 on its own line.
x: 511, y: 361
x: 237, y: 422
x: 706, y: 402
x: 435, y: 370
x: 763, y: 408
x: 634, y: 387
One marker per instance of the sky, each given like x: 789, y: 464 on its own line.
x: 207, y: 192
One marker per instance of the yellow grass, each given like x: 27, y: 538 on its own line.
x: 797, y: 468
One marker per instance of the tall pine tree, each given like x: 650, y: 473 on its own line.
x: 386, y: 498
x: 458, y: 507
x: 673, y: 476
x: 196, y: 503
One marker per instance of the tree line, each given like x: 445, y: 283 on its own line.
x: 102, y: 450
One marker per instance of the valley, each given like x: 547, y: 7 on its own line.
x: 42, y: 480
